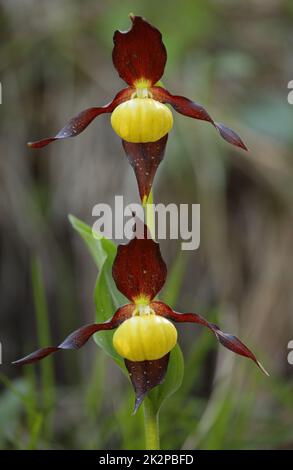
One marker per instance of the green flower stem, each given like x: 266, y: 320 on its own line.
x: 151, y: 418
x: 151, y: 426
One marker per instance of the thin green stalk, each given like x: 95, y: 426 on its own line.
x: 151, y: 426
x: 151, y: 418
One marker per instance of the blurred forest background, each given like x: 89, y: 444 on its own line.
x: 233, y: 57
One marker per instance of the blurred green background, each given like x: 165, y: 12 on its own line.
x: 236, y: 59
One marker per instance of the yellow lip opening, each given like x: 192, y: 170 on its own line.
x: 145, y: 338
x: 141, y: 120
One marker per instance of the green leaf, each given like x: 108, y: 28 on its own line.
x: 86, y: 234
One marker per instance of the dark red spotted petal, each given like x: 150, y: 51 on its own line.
x: 145, y: 375
x: 139, y: 269
x: 79, y: 123
x: 139, y: 53
x: 145, y: 159
x: 181, y: 104
x: 79, y: 337
x: 229, y: 341
x: 188, y: 108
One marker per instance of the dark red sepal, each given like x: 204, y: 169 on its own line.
x: 139, y: 269
x: 139, y: 53
x: 229, y: 341
x: 79, y: 337
x: 190, y: 109
x: 181, y: 104
x: 145, y: 159
x: 230, y: 136
x: 36, y: 355
x: 79, y: 123
x: 145, y: 375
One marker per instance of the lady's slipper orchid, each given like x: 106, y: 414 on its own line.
x: 145, y: 334
x: 139, y: 112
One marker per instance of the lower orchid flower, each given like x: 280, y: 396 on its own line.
x: 139, y: 114
x: 145, y: 332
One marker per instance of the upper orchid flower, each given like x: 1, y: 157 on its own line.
x: 139, y: 112
x: 145, y: 335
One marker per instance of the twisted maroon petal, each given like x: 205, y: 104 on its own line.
x: 229, y: 341
x: 139, y: 53
x: 181, y: 104
x: 145, y: 375
x: 188, y: 108
x: 145, y: 159
x: 139, y: 269
x: 78, y: 338
x: 79, y: 123
x: 230, y: 136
